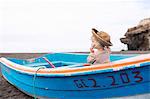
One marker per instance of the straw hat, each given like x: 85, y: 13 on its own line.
x: 102, y: 37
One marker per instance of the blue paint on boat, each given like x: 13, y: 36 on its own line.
x: 98, y: 83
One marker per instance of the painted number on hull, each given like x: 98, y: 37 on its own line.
x: 122, y: 78
x: 125, y: 78
x: 137, y: 76
x: 82, y: 83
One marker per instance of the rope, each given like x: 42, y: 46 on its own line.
x: 34, y: 78
x: 48, y: 62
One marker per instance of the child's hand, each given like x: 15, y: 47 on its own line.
x: 91, y: 50
x: 92, y: 47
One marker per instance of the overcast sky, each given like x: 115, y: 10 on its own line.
x: 65, y: 25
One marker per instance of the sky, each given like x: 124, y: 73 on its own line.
x: 65, y: 25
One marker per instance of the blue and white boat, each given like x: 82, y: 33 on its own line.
x: 67, y: 76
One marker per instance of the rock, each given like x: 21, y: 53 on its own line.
x: 138, y: 37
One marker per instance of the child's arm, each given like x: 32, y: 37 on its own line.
x: 91, y: 58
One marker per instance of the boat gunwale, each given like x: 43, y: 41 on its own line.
x: 100, y: 68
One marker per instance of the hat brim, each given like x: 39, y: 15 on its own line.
x: 105, y: 43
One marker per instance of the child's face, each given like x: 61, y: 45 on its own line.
x: 95, y: 43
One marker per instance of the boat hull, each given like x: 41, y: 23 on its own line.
x: 120, y: 83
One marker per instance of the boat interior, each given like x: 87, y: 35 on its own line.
x: 62, y: 60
